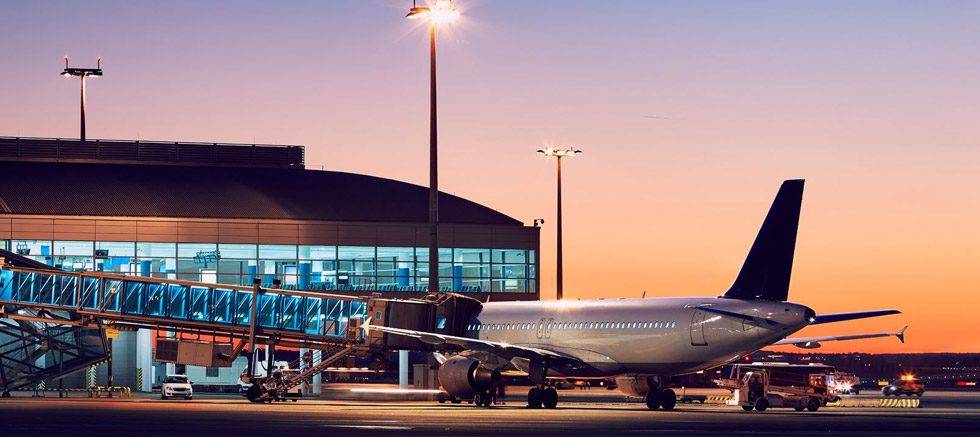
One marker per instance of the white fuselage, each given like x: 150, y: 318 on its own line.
x: 665, y: 336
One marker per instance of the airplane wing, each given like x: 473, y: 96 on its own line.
x: 814, y: 342
x: 503, y: 350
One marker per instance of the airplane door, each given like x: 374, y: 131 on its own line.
x: 697, y: 328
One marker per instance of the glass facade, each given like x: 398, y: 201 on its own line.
x: 298, y: 267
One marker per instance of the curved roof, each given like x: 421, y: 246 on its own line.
x: 97, y: 189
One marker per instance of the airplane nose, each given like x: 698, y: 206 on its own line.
x: 810, y: 315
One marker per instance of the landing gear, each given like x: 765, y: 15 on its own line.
x: 535, y: 398
x: 545, y: 397
x: 665, y: 399
x: 482, y: 399
x: 653, y: 400
x: 549, y: 398
x: 761, y: 405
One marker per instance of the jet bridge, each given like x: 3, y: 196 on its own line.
x: 45, y: 310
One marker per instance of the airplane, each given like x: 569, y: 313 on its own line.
x: 641, y: 343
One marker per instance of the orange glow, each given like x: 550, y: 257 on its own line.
x: 691, y: 117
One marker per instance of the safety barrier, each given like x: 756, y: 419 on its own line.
x: 97, y: 392
x: 717, y: 399
x: 93, y: 392
x: 877, y: 403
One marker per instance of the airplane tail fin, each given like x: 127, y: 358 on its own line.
x: 766, y: 272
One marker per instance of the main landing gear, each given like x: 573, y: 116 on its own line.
x: 665, y: 399
x: 542, y: 397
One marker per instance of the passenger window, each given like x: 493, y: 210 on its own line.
x: 441, y: 322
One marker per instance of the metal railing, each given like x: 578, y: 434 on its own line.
x: 168, y: 303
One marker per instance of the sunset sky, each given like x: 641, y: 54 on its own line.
x: 690, y: 115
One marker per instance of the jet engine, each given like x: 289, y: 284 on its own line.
x: 636, y: 387
x: 465, y: 376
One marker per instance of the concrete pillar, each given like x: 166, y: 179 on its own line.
x: 303, y: 365
x: 171, y: 367
x: 317, y: 378
x: 403, y: 369
x: 144, y: 360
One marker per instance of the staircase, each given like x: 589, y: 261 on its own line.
x: 34, y: 351
x: 272, y: 387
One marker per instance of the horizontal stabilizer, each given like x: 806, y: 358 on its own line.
x: 840, y: 317
x: 814, y: 342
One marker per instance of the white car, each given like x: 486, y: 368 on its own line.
x: 176, y: 386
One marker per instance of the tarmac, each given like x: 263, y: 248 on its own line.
x: 594, y: 412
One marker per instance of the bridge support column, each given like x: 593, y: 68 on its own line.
x: 317, y: 378
x: 403, y: 369
x: 144, y: 360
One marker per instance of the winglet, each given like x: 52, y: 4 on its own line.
x: 901, y: 334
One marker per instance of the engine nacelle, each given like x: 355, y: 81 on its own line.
x: 636, y: 387
x: 464, y: 376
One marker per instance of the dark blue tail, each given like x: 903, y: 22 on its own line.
x: 765, y: 274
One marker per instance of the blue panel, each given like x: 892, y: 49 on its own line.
x: 457, y: 278
x: 177, y: 306
x: 222, y: 309
x: 305, y: 270
x: 251, y: 274
x: 403, y: 277
x: 199, y: 303
x: 145, y: 267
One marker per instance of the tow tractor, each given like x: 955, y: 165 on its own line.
x: 765, y: 385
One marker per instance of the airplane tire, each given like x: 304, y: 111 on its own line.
x: 749, y: 408
x: 549, y: 398
x: 653, y: 400
x: 481, y: 400
x: 668, y: 399
x: 798, y: 408
x: 534, y: 398
x: 761, y: 405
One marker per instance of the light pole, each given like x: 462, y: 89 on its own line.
x: 82, y: 73
x: 559, y: 154
x: 438, y: 12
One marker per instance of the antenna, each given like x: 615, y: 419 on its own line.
x: 66, y: 62
x: 98, y: 62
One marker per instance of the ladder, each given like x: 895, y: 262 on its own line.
x: 332, y: 356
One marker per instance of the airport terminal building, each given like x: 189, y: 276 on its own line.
x: 238, y: 214
x: 231, y: 213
